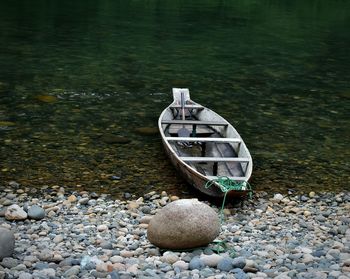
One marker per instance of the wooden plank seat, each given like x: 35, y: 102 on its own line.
x: 215, y: 159
x: 193, y: 139
x: 188, y: 106
x: 194, y: 122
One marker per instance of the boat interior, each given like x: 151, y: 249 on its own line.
x: 204, y: 144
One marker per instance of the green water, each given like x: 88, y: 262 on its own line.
x: 75, y: 74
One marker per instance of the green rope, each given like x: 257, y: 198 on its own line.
x: 226, y: 185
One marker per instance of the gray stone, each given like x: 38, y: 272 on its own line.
x: 74, y: 270
x: 196, y: 263
x: 170, y: 257
x: 184, y: 224
x: 239, y: 273
x: 114, y: 275
x: 84, y: 201
x: 25, y: 275
x: 225, y: 264
x: 238, y: 262
x: 7, y: 243
x: 211, y: 260
x: 182, y: 265
x: 9, y: 262
x: 36, y: 212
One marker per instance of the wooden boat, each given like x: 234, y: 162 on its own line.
x: 203, y: 146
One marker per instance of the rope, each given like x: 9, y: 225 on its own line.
x: 226, y: 185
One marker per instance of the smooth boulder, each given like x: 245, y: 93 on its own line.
x: 7, y: 243
x: 36, y: 212
x: 184, y: 224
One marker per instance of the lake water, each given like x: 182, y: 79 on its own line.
x: 78, y: 78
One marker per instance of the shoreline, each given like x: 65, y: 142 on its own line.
x: 84, y: 235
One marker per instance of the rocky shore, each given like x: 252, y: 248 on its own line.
x: 84, y: 235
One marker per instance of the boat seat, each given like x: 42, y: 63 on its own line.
x: 195, y: 122
x: 192, y: 139
x: 188, y: 106
x: 215, y: 159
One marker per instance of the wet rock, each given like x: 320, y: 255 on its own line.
x: 114, y: 139
x: 183, y: 224
x: 7, y: 243
x: 147, y: 131
x: 46, y: 98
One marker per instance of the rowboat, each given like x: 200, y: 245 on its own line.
x: 204, y: 147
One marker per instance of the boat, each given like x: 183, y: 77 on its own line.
x: 204, y: 147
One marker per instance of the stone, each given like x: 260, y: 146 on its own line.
x: 211, y: 260
x: 58, y: 238
x: 225, y: 264
x: 182, y: 265
x: 74, y: 270
x: 277, y: 198
x: 115, y: 139
x: 9, y: 262
x: 7, y: 243
x: 147, y: 131
x: 72, y: 198
x: 102, y: 228
x: 36, y: 212
x: 170, y: 257
x: 84, y: 201
x: 239, y: 262
x: 196, y: 263
x: 25, y: 275
x: 14, y: 212
x: 184, y: 224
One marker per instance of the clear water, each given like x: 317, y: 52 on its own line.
x: 74, y: 74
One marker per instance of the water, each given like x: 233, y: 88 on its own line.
x: 76, y: 74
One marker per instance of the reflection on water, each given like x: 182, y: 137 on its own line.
x: 82, y: 85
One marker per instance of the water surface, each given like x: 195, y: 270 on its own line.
x: 77, y: 77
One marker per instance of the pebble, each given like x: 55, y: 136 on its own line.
x: 196, y: 263
x: 225, y: 264
x: 93, y: 236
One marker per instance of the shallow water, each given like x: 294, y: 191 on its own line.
x: 74, y: 75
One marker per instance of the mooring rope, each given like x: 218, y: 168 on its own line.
x: 226, y: 185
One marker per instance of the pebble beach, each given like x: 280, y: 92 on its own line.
x: 65, y: 234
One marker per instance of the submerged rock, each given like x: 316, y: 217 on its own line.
x: 147, y: 131
x: 183, y: 224
x: 114, y: 139
x: 46, y: 98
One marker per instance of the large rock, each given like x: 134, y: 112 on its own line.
x: 7, y: 243
x: 184, y: 224
x: 14, y: 212
x: 36, y: 212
